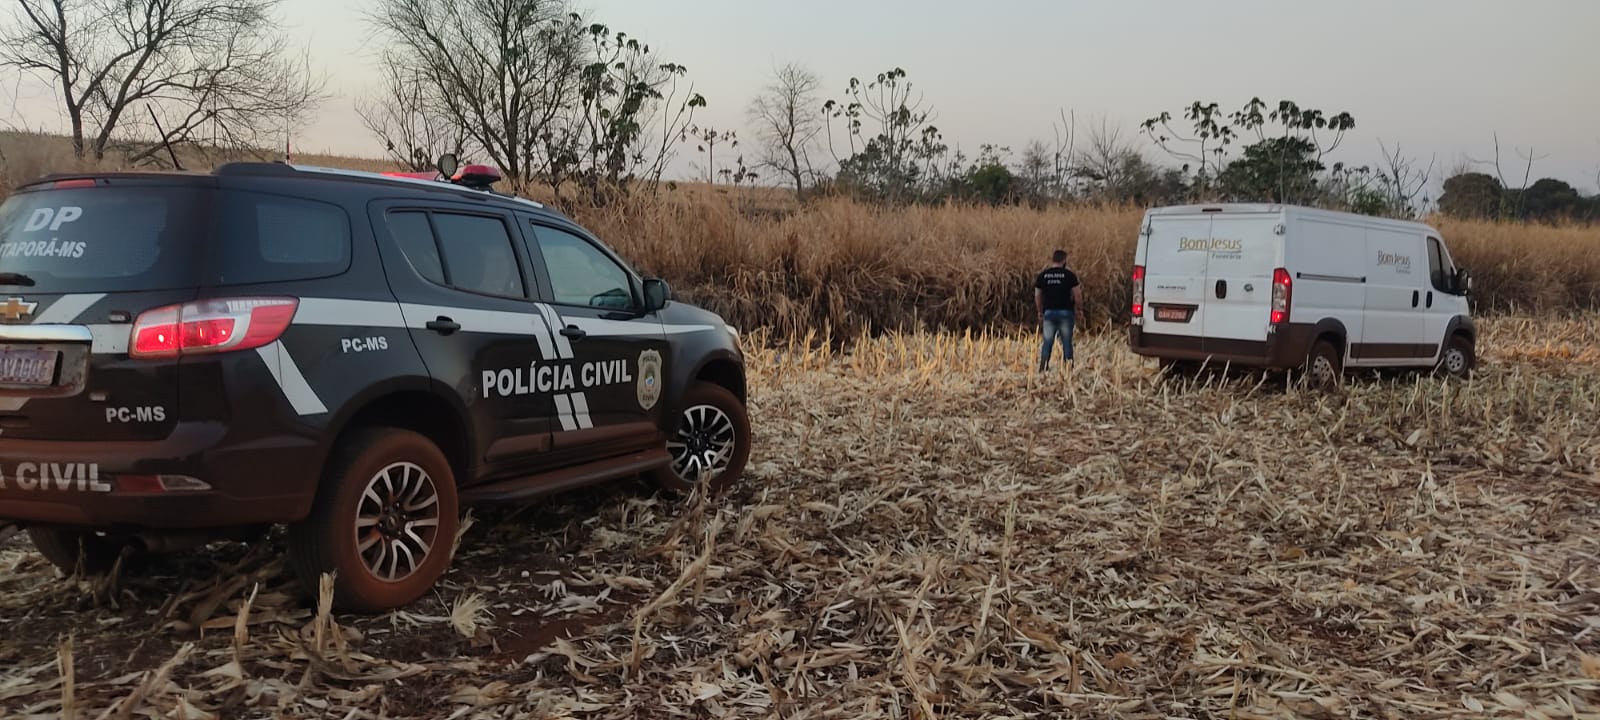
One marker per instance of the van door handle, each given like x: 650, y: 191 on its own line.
x: 1414, y: 296
x: 1222, y: 289
x: 443, y: 325
x: 1430, y: 298
x: 573, y: 331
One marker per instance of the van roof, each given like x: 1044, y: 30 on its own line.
x: 1284, y: 209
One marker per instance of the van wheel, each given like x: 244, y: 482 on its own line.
x: 384, y: 522
x: 1322, y: 365
x: 1458, y: 359
x: 711, y: 438
x: 62, y: 546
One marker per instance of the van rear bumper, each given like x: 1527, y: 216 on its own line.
x: 1287, y: 348
x: 87, y: 484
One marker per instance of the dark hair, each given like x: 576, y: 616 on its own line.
x: 1058, y: 256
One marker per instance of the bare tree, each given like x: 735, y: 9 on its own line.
x: 540, y: 90
x: 500, y: 70
x: 216, y: 66
x: 1511, y: 208
x: 1104, y: 161
x: 787, y: 123
x: 402, y: 117
x: 1401, y: 182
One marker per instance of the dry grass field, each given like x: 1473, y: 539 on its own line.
x: 929, y: 529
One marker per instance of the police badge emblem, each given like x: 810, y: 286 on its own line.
x: 649, y: 378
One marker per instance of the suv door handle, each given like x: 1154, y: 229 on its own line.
x: 573, y: 331
x: 443, y: 325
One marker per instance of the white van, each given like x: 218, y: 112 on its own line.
x: 1281, y: 286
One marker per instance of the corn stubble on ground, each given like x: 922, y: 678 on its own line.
x: 931, y: 530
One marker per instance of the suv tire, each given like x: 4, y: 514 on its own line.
x: 711, y: 420
x: 387, y: 497
x: 60, y: 546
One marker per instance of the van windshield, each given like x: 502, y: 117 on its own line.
x: 102, y: 239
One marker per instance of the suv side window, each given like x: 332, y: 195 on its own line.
x: 580, y: 274
x: 273, y: 238
x: 415, y: 237
x: 465, y: 252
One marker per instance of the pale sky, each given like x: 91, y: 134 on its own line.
x: 1436, y: 76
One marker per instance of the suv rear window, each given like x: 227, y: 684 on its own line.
x: 102, y: 239
x: 155, y: 237
x: 272, y: 238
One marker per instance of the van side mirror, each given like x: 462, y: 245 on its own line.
x: 448, y: 164
x: 1463, y: 281
x: 656, y: 294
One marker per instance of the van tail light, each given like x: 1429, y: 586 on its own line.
x: 1282, y: 289
x: 1138, y: 291
x: 211, y: 326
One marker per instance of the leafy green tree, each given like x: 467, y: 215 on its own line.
x: 901, y: 148
x: 1550, y: 200
x: 1472, y: 195
x: 1281, y: 170
x: 1288, y: 125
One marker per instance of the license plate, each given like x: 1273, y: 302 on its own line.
x: 1172, y: 314
x: 27, y: 366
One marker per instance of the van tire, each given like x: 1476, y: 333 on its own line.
x: 1458, y: 358
x: 372, y: 490
x: 1323, y: 365
x: 61, y: 546
x: 704, y: 402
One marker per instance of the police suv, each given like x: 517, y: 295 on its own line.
x: 191, y: 357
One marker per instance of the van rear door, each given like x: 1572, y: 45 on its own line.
x: 1244, y: 250
x: 1174, y: 275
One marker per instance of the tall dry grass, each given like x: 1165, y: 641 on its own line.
x: 857, y: 268
x: 848, y: 268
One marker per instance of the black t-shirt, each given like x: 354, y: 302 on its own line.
x: 1056, y: 284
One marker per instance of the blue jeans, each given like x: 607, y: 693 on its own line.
x: 1057, y: 323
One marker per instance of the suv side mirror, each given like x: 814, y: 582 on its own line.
x: 656, y: 294
x: 448, y: 164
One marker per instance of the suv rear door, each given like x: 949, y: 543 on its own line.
x: 80, y: 260
x: 467, y: 303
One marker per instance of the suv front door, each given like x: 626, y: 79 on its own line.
x: 616, y: 351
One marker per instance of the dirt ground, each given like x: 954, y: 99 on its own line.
x: 929, y: 530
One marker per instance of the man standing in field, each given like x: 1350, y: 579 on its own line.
x: 1056, y: 296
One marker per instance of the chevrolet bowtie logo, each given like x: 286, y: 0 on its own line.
x: 17, y: 309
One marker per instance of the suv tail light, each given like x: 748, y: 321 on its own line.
x: 211, y: 326
x: 1138, y: 291
x: 1282, y: 288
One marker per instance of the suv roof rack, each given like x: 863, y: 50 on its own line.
x: 467, y: 178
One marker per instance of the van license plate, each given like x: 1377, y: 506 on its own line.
x: 31, y: 367
x: 1172, y: 314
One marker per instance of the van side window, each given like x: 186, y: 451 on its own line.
x: 1439, y: 270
